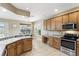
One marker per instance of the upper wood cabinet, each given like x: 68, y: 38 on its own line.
x: 48, y: 24
x: 53, y: 24
x: 65, y: 19
x: 73, y: 17
x: 58, y: 23
x: 78, y: 22
x: 45, y: 24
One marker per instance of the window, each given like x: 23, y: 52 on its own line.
x: 25, y: 29
x: 2, y: 29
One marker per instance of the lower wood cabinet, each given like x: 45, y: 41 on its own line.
x: 77, y: 48
x: 19, y: 47
x: 50, y: 41
x: 11, y: 49
x: 56, y: 43
x: 44, y: 39
x: 27, y: 44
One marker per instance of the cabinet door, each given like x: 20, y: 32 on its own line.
x: 73, y: 17
x: 19, y: 47
x: 27, y: 44
x: 44, y: 39
x: 77, y: 48
x: 78, y: 22
x: 58, y: 23
x: 65, y: 19
x: 11, y: 49
x: 45, y: 24
x: 56, y: 43
x: 48, y: 24
x: 53, y: 24
x: 50, y: 41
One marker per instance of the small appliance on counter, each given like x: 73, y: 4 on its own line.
x: 68, y: 44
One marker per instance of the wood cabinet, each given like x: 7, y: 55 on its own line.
x: 19, y: 47
x: 56, y: 43
x: 53, y: 24
x: 11, y: 49
x: 27, y: 44
x: 53, y: 42
x: 58, y: 23
x: 45, y: 24
x: 48, y: 24
x: 44, y: 39
x: 78, y: 22
x: 77, y: 48
x: 50, y: 41
x: 73, y: 17
x: 65, y: 19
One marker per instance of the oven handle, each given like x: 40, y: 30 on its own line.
x: 68, y: 40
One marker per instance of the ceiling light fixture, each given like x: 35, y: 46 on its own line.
x: 27, y: 8
x: 23, y: 16
x: 4, y: 10
x: 56, y: 10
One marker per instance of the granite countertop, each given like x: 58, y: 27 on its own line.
x: 58, y: 36
x: 78, y: 39
x: 8, y: 41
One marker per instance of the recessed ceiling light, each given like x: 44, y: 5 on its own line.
x: 56, y: 10
x: 4, y: 10
x: 23, y: 16
x: 27, y: 8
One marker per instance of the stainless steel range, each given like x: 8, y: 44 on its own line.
x: 68, y: 44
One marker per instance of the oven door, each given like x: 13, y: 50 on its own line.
x: 68, y: 44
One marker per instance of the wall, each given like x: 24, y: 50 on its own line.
x: 12, y: 26
x: 38, y: 26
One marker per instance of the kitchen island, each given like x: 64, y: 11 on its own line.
x: 15, y: 46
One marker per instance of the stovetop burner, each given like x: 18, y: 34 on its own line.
x: 70, y: 37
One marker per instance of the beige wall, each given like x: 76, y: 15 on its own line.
x: 10, y: 29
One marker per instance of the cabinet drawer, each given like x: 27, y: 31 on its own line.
x: 77, y: 46
x: 11, y: 45
x: 77, y: 53
x: 78, y: 43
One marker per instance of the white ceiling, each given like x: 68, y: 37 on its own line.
x: 6, y: 14
x: 38, y: 11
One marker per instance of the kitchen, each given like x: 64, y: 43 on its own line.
x: 25, y: 34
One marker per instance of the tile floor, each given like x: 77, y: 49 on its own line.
x: 41, y: 49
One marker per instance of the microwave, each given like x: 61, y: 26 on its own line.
x: 69, y: 26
